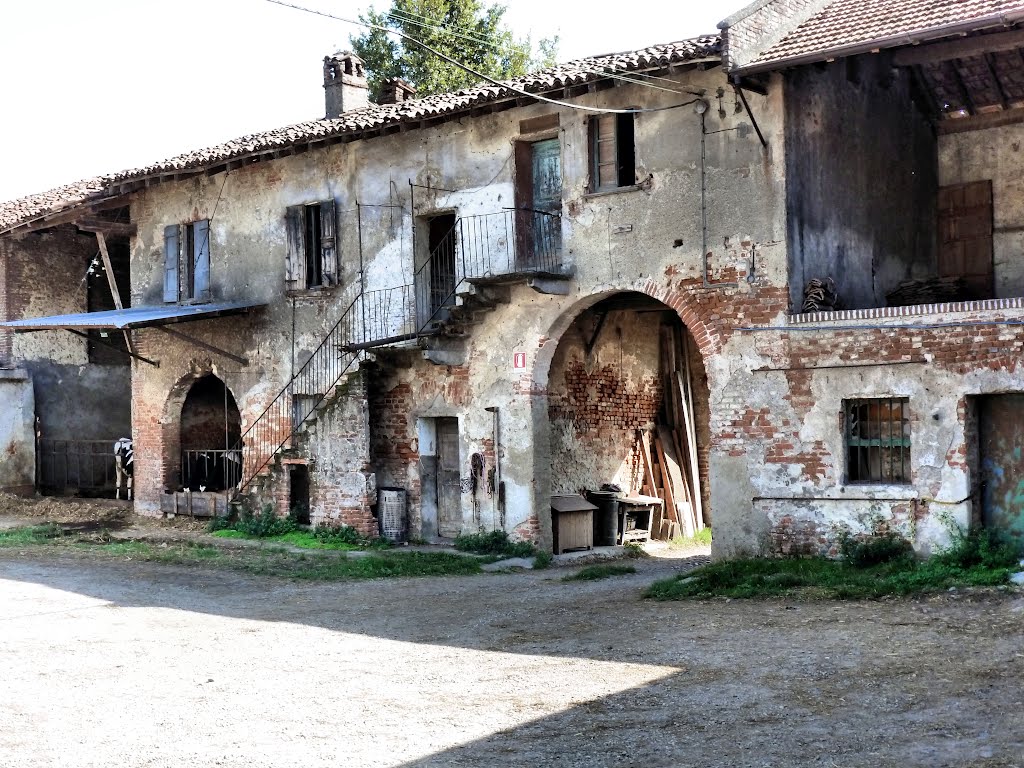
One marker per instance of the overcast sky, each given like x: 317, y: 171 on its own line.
x: 95, y: 86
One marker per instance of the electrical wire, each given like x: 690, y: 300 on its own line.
x: 426, y: 22
x: 486, y: 78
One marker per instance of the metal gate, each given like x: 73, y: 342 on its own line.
x: 67, y: 467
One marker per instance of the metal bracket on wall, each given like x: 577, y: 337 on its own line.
x: 133, y: 355
x: 202, y: 344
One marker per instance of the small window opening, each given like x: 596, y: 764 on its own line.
x: 612, y: 152
x: 878, y: 441
x: 314, y: 242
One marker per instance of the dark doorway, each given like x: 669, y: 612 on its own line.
x: 210, y: 428
x: 441, y: 242
x: 1001, y: 450
x: 298, y: 493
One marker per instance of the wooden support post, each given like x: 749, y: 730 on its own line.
x: 101, y: 240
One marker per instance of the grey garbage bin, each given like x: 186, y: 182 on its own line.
x: 606, y: 517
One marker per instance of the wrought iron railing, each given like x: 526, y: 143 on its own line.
x: 510, y: 242
x: 211, y: 470
x: 513, y: 241
x: 275, y: 427
x: 388, y: 315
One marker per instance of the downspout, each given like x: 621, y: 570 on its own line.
x: 701, y: 108
x: 499, y: 490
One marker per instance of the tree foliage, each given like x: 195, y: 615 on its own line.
x: 466, y: 30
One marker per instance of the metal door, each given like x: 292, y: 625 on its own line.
x: 1001, y: 434
x: 449, y: 496
x: 547, y: 200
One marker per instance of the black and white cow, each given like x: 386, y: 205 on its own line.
x: 124, y: 458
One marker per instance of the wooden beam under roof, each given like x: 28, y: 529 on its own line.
x: 980, y: 122
x: 106, y: 227
x: 959, y: 49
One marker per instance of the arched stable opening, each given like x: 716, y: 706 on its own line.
x: 628, y: 407
x: 211, y: 426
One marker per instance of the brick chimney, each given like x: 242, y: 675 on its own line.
x: 345, y: 86
x: 396, y: 90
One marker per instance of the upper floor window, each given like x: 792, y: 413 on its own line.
x: 878, y: 440
x: 312, y: 258
x: 612, y: 152
x: 187, y: 261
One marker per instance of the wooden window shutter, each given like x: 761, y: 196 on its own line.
x: 172, y: 240
x: 602, y: 146
x: 201, y: 260
x: 295, y: 258
x: 328, y: 242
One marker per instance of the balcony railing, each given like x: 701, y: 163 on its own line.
x: 493, y: 245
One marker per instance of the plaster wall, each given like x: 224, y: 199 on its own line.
x: 17, y: 432
x: 994, y: 154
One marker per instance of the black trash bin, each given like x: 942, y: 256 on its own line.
x: 606, y: 517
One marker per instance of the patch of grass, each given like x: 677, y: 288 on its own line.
x: 701, y: 538
x: 876, y: 566
x: 230, y: 533
x: 376, y: 566
x: 596, y: 572
x: 264, y: 525
x: 494, y: 543
x: 28, y: 535
x: 342, y: 539
x: 542, y: 560
x: 267, y: 560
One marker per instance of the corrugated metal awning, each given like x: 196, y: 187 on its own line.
x: 132, y: 317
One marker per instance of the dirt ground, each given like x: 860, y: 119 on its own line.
x: 106, y: 662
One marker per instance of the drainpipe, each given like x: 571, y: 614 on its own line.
x: 499, y: 494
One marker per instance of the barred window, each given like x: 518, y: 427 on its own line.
x: 878, y: 440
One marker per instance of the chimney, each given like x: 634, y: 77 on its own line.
x: 396, y: 90
x: 345, y: 86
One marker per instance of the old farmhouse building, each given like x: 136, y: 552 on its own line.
x: 781, y: 291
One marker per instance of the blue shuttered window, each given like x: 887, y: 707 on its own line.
x: 187, y: 262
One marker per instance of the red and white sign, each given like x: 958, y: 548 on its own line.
x: 518, y: 360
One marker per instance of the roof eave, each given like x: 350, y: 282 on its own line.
x: 892, y: 41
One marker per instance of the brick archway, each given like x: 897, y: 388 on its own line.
x: 170, y: 448
x: 701, y: 337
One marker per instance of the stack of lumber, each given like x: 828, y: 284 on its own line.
x: 669, y: 451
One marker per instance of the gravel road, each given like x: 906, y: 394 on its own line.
x: 124, y: 663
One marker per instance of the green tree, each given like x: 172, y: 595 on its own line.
x: 466, y: 30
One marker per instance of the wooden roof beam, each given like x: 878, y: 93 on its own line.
x: 959, y: 49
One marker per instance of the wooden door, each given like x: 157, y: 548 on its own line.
x: 449, y: 496
x: 965, y: 235
x: 1001, y: 438
x: 546, y: 173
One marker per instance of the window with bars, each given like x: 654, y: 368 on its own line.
x: 878, y: 440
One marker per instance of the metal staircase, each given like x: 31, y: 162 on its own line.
x: 480, y: 256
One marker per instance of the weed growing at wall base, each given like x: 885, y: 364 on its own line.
x: 494, y: 543
x: 980, y: 558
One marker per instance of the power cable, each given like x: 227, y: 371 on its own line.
x: 420, y: 20
x: 486, y: 78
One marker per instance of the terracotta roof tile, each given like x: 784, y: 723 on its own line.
x: 846, y: 23
x: 374, y: 117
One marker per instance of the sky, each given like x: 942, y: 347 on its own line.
x: 97, y: 86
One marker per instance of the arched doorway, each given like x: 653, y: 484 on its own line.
x: 628, y: 406
x: 211, y: 426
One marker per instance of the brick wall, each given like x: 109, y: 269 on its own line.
x: 750, y: 36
